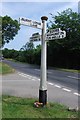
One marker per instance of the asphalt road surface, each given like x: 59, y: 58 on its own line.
x: 63, y: 87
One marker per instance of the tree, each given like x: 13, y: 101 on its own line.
x: 27, y: 53
x: 70, y: 22
x: 10, y: 53
x: 65, y: 52
x: 37, y: 55
x: 10, y: 28
x: 28, y: 46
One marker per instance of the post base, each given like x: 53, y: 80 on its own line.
x: 43, y: 96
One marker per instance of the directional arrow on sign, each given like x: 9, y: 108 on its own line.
x: 51, y: 35
x: 35, y: 37
x: 55, y: 35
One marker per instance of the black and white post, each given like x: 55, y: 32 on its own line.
x: 43, y: 81
x: 51, y: 35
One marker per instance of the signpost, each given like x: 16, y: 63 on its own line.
x: 31, y: 23
x: 35, y: 37
x: 56, y: 30
x: 55, y: 35
x: 52, y: 34
x: 43, y: 81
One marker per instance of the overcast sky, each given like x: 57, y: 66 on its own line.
x: 34, y: 11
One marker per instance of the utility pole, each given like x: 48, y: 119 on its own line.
x: 43, y: 81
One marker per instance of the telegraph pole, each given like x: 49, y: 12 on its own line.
x: 43, y: 81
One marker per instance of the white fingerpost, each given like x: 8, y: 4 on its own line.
x: 51, y: 35
x: 43, y: 81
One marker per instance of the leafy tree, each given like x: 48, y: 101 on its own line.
x: 10, y: 28
x: 70, y: 22
x: 65, y: 52
x: 10, y: 53
x: 28, y: 46
x: 37, y: 55
x: 27, y: 52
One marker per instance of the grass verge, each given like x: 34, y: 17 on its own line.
x: 69, y: 70
x: 0, y: 107
x: 16, y: 107
x: 5, y: 69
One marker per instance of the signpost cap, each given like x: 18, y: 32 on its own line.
x: 44, y: 18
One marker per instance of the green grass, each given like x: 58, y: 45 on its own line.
x: 5, y: 69
x: 69, y: 70
x: 16, y: 107
x: 79, y: 71
x: 0, y: 107
x: 0, y: 110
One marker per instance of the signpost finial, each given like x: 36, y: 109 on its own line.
x: 44, y: 18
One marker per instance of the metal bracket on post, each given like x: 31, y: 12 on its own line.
x: 43, y: 81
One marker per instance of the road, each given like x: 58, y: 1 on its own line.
x: 67, y: 79
x: 62, y: 86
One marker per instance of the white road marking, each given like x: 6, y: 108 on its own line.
x: 49, y: 72
x: 73, y: 77
x: 66, y: 89
x: 29, y: 77
x: 37, y: 69
x: 38, y: 79
x: 33, y: 79
x: 57, y: 86
x: 76, y: 94
x: 23, y: 75
x: 50, y: 83
x: 14, y: 80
